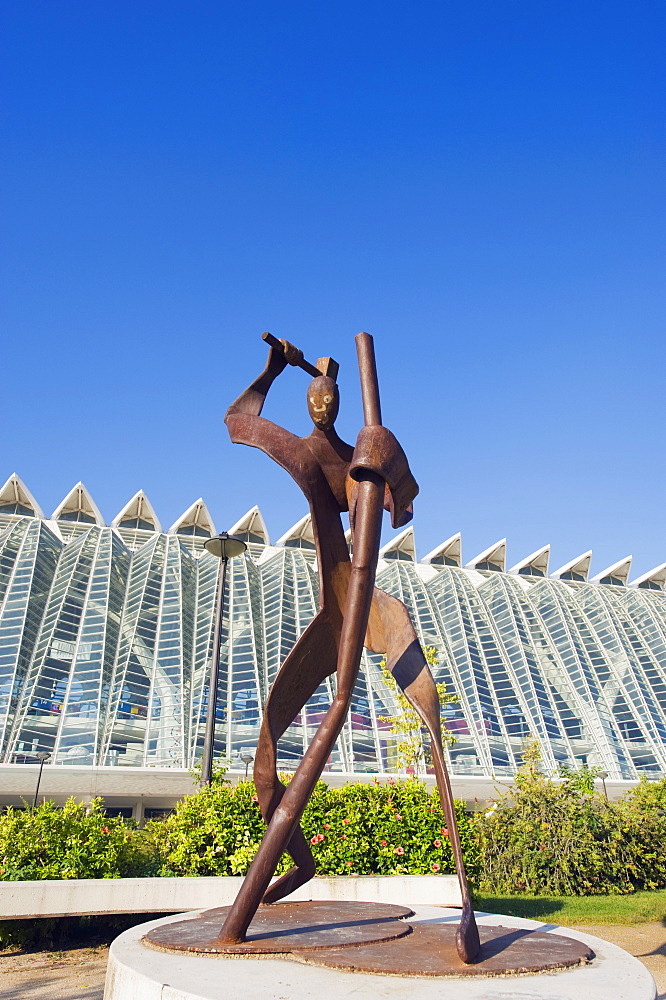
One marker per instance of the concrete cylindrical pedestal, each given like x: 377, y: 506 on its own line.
x: 137, y: 972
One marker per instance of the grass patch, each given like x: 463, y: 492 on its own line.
x: 636, y: 908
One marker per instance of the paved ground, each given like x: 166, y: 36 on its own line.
x: 78, y: 974
x: 645, y: 941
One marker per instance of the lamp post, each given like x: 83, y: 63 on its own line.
x: 247, y: 759
x: 603, y: 775
x: 42, y: 758
x: 225, y: 547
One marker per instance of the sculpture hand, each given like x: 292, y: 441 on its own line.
x: 292, y: 354
x: 275, y: 364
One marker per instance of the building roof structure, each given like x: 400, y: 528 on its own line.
x: 106, y: 636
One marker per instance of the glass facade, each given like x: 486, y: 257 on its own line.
x: 106, y: 638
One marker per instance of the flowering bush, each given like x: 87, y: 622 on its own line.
x: 563, y: 838
x: 380, y: 829
x: 557, y: 837
x: 73, y: 842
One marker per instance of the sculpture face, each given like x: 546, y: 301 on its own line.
x: 323, y: 402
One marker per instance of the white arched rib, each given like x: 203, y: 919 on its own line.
x: 252, y: 522
x: 537, y: 560
x: 580, y: 566
x: 656, y: 576
x: 138, y: 506
x: 619, y: 570
x: 404, y: 543
x: 302, y: 529
x: 495, y: 554
x: 450, y: 549
x: 78, y: 499
x: 15, y: 491
x: 196, y: 515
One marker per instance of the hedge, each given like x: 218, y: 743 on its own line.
x: 548, y: 837
x: 359, y: 829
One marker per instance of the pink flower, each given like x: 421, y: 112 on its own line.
x: 327, y: 826
x: 383, y: 843
x: 105, y: 829
x: 398, y: 817
x: 400, y: 850
x: 314, y: 840
x: 436, y: 867
x: 345, y: 821
x: 445, y: 832
x: 343, y: 837
x: 320, y: 837
x: 437, y: 843
x: 255, y: 798
x: 349, y: 864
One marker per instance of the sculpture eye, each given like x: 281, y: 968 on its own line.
x: 327, y: 399
x: 312, y: 400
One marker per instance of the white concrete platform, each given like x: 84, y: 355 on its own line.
x: 136, y: 972
x: 96, y: 897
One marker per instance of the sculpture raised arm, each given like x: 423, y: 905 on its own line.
x: 243, y: 418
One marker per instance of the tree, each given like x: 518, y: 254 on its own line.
x: 412, y: 745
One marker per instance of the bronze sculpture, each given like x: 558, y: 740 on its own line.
x: 357, y: 936
x: 334, y: 478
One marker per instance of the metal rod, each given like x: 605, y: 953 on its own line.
x: 213, y: 675
x: 39, y: 778
x: 305, y: 365
x: 467, y: 936
x: 367, y: 366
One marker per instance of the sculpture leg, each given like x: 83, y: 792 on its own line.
x: 408, y: 665
x: 313, y: 658
x: 294, y: 799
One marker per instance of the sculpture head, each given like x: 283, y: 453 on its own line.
x: 323, y: 402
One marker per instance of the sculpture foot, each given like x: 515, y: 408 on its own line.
x: 468, y: 944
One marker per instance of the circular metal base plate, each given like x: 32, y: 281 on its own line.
x: 284, y: 928
x: 430, y: 950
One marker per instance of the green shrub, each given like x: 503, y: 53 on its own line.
x: 76, y: 841
x: 639, y: 832
x: 381, y: 829
x: 549, y: 837
x: 648, y: 796
x: 562, y: 838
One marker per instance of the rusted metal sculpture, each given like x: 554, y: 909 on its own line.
x: 354, y: 936
x: 352, y: 613
x: 351, y: 936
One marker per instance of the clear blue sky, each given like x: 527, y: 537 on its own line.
x: 480, y: 185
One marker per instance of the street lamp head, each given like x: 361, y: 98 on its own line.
x: 44, y: 755
x: 225, y: 546
x: 247, y: 758
x: 602, y: 774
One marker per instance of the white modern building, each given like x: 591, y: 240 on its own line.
x: 106, y: 636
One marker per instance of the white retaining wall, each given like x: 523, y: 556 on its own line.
x: 94, y: 897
